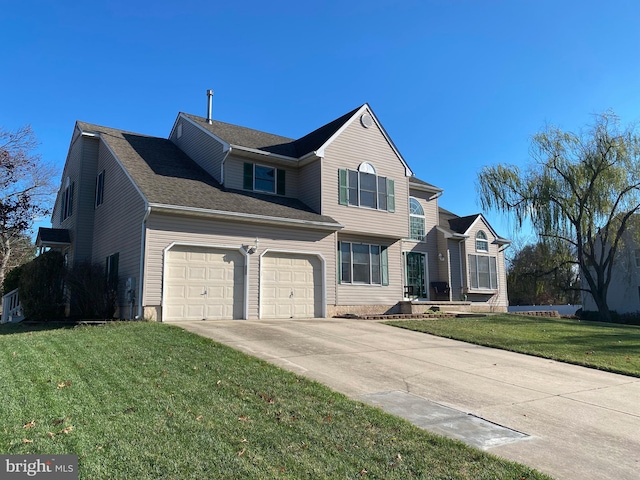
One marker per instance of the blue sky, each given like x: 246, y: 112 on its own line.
x: 457, y: 84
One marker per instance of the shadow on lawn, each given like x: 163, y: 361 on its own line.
x: 26, y: 326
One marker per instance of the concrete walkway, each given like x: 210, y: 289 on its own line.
x: 578, y: 423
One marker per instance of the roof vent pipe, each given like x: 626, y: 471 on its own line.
x: 210, y: 105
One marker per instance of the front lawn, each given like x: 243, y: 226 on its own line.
x: 605, y: 346
x: 150, y: 401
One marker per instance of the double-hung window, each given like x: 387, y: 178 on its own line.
x: 483, y: 272
x: 362, y: 263
x: 66, y: 204
x: 364, y: 188
x: 262, y: 178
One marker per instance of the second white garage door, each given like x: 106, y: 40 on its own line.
x: 204, y: 284
x: 291, y: 286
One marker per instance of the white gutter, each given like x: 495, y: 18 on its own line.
x: 143, y: 236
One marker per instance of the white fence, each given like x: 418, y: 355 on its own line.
x: 11, y: 308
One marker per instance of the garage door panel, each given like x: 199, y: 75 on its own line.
x: 197, y: 257
x: 194, y: 292
x: 214, y: 311
x: 177, y: 272
x: 175, y: 311
x: 195, y: 311
x: 196, y: 273
x: 204, y: 283
x: 216, y: 274
x: 176, y: 291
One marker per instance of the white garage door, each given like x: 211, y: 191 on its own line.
x: 291, y: 286
x: 204, y: 284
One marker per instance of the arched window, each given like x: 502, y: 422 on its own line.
x: 482, y: 244
x: 416, y: 220
x: 366, y: 167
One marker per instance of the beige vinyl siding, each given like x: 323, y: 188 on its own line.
x: 71, y: 167
x: 118, y: 223
x: 503, y: 295
x: 164, y: 230
x: 353, y: 146
x: 310, y: 186
x: 72, y: 172
x: 81, y: 159
x: 85, y: 190
x: 442, y: 268
x: 456, y: 263
x: 354, y: 294
x: 201, y: 147
x: 234, y: 174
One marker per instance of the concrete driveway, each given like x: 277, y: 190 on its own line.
x: 567, y: 421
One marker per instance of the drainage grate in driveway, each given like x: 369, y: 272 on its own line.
x: 436, y: 418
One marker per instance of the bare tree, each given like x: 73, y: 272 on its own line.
x: 26, y: 190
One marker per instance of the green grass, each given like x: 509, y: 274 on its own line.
x: 150, y: 401
x: 605, y: 346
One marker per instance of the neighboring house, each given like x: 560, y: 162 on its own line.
x: 225, y: 222
x: 623, y: 295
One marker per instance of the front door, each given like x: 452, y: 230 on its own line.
x: 415, y: 271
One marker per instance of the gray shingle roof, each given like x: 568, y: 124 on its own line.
x: 455, y: 224
x: 247, y: 137
x: 268, y: 142
x: 422, y: 183
x: 462, y: 224
x: 166, y: 175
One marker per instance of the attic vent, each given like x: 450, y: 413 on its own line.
x: 366, y: 120
x: 180, y: 130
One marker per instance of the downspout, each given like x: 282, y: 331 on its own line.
x: 435, y: 196
x: 143, y: 236
x: 462, y: 275
x: 449, y: 273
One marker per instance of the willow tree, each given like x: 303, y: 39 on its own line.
x: 579, y: 189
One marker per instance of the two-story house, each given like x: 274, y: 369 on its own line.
x: 224, y: 222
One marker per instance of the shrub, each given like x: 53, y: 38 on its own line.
x: 41, y: 284
x: 90, y: 293
x: 622, y: 318
x: 12, y: 280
